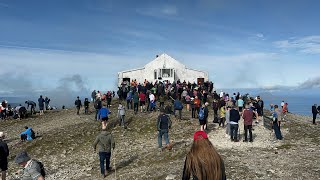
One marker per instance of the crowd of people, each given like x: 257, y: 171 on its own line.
x: 170, y: 99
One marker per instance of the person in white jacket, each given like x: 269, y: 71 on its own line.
x: 121, y: 115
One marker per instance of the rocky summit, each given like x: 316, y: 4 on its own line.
x: 64, y: 145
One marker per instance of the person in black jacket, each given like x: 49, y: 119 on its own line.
x: 163, y: 126
x: 234, y: 119
x: 4, y: 153
x: 314, y: 113
x: 203, y: 161
x: 78, y: 104
x: 86, y: 105
x: 32, y: 106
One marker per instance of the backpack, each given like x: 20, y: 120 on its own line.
x: 42, y: 170
x: 201, y: 114
x: 97, y: 104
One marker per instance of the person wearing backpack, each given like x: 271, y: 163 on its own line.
x: 202, y: 118
x: 32, y: 169
x: 121, y: 115
x: 177, y: 106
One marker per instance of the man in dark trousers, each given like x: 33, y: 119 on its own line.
x: 163, y: 126
x: 234, y: 119
x: 4, y: 153
x: 78, y: 104
x: 314, y: 113
x: 247, y: 118
x: 105, y: 143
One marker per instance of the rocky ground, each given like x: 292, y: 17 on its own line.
x: 65, y: 147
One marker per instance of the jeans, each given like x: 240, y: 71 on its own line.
x: 222, y: 120
x: 179, y: 112
x: 193, y: 113
x: 135, y: 107
x: 128, y: 104
x: 314, y: 118
x: 246, y: 129
x: 165, y: 133
x: 104, y: 156
x: 234, y: 131
x: 121, y: 120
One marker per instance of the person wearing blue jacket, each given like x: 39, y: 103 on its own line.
x: 103, y: 114
x: 28, y: 134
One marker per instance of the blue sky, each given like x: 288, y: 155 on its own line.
x: 246, y: 44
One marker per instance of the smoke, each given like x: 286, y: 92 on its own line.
x: 67, y: 90
x: 310, y: 83
x: 64, y: 93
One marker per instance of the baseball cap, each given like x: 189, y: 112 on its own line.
x: 200, y: 135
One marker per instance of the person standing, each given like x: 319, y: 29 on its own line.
x: 135, y: 102
x: 222, y: 116
x: 240, y: 104
x: 47, y: 101
x: 314, y: 113
x: 177, y: 105
x: 4, y: 153
x: 41, y: 104
x: 276, y: 128
x: 105, y: 143
x: 163, y: 126
x: 121, y: 115
x: 93, y: 95
x: 247, y: 118
x: 206, y: 115
x: 97, y: 106
x: 142, y: 99
x: 234, y: 119
x: 197, y: 104
x: 86, y: 105
x: 78, y: 104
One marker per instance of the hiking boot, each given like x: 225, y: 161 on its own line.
x: 245, y: 140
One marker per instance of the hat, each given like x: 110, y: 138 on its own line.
x: 22, y: 157
x: 2, y: 135
x: 200, y: 135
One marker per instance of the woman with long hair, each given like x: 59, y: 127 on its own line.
x: 203, y: 161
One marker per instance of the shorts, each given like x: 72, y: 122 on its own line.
x: 142, y: 103
x: 105, y: 119
x: 4, y: 165
x: 202, y: 122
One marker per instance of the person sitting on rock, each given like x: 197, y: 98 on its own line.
x: 28, y: 134
x: 32, y: 169
x: 203, y: 160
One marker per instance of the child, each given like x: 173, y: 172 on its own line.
x: 103, y: 115
x: 121, y: 114
x: 222, y: 116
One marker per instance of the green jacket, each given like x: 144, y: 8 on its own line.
x: 104, y: 141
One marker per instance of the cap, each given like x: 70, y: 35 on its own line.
x: 1, y: 135
x: 22, y: 157
x: 200, y: 135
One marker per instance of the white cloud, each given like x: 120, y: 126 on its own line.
x: 160, y: 11
x: 260, y: 35
x: 308, y: 44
